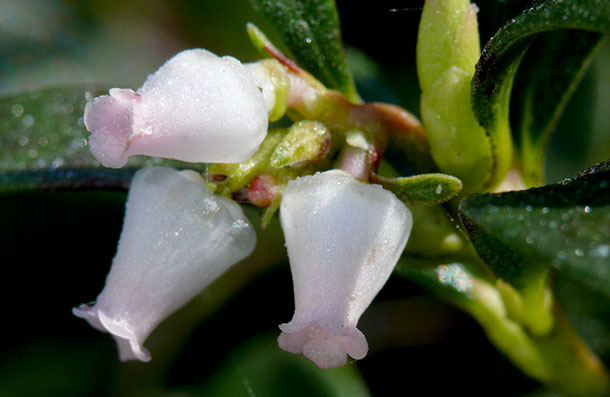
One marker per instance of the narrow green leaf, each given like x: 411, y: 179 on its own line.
x: 547, y: 77
x: 498, y: 64
x: 311, y: 31
x: 43, y: 144
x: 565, y: 226
x: 428, y: 189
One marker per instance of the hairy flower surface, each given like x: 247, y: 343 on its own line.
x: 177, y: 238
x: 197, y: 107
x: 344, y: 238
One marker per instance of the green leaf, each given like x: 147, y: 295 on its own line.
x: 566, y: 226
x: 428, y: 189
x: 496, y: 69
x: 43, y: 144
x: 311, y: 31
x: 547, y: 77
x: 261, y: 368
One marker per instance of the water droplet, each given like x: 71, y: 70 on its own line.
x: 308, y: 40
x: 546, y: 210
x: 23, y: 140
x: 28, y: 121
x: 33, y: 153
x: 602, y: 250
x: 529, y: 239
x: 578, y: 252
x: 58, y: 162
x: 78, y: 143
x: 529, y: 208
x: 439, y: 189
x: 43, y: 141
x: 587, y: 209
x: 553, y: 224
x: 17, y: 110
x: 561, y: 255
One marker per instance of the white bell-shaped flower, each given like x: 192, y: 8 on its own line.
x: 197, y: 107
x: 344, y: 238
x: 177, y: 238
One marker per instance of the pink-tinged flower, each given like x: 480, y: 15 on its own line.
x: 177, y: 238
x: 197, y: 107
x: 344, y: 238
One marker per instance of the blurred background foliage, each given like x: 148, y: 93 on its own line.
x: 57, y: 246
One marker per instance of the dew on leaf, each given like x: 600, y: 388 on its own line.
x: 17, y: 110
x: 23, y: 140
x: 58, y: 162
x: 28, y: 121
x: 578, y: 252
x: 602, y: 251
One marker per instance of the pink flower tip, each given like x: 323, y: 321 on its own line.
x: 323, y: 348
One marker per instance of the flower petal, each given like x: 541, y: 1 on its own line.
x: 177, y: 238
x: 344, y: 238
x: 197, y: 107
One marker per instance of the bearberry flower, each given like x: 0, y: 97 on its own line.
x: 177, y: 238
x: 344, y: 238
x: 197, y: 107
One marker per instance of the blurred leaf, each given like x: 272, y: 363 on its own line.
x: 495, y: 70
x: 429, y: 189
x: 560, y: 360
x: 260, y: 368
x: 43, y: 144
x: 547, y: 77
x: 311, y: 31
x: 566, y: 225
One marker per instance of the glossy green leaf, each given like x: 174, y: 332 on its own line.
x: 260, y: 368
x: 429, y: 189
x: 311, y: 31
x: 43, y: 144
x: 566, y: 226
x: 547, y: 77
x: 496, y: 69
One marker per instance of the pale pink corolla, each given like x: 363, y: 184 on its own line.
x: 344, y: 238
x: 197, y: 107
x: 177, y: 238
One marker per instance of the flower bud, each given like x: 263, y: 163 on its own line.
x: 177, y: 238
x: 197, y: 107
x: 344, y: 238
